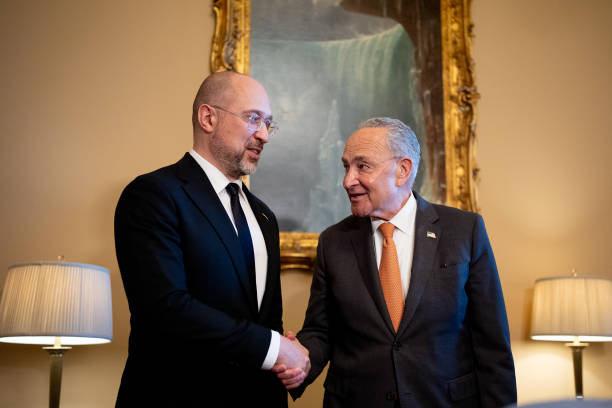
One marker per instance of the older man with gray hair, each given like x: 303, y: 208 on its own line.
x: 406, y: 303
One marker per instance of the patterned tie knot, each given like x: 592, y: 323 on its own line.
x: 386, y: 228
x: 232, y: 189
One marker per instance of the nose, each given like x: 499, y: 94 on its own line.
x: 349, y: 179
x: 262, y: 134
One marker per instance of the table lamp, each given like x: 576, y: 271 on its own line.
x: 575, y: 309
x: 57, y: 304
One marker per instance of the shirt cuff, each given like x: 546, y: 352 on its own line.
x: 272, y: 351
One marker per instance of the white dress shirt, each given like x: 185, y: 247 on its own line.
x: 219, y: 183
x: 403, y: 237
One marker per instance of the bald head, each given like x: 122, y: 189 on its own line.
x: 217, y: 89
x: 223, y: 111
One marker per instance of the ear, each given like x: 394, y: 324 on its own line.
x: 207, y: 118
x: 402, y: 172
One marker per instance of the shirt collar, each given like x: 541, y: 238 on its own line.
x: 403, y: 220
x: 216, y: 177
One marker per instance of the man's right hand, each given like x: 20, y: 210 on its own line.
x: 293, y: 363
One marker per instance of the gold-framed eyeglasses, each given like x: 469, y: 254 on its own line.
x: 254, y: 120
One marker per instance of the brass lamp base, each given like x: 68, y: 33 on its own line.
x: 55, y: 378
x: 577, y: 348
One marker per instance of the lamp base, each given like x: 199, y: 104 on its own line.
x: 577, y: 348
x: 55, y: 378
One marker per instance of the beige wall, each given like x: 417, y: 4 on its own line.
x: 544, y: 149
x: 97, y: 92
x: 93, y: 94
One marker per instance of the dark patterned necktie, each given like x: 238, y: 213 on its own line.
x: 244, y: 235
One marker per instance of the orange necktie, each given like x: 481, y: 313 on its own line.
x: 390, y: 278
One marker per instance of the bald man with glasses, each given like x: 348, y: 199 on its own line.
x: 200, y: 263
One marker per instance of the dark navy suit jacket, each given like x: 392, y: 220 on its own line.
x: 197, y: 338
x: 452, y: 348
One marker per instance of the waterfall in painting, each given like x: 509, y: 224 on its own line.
x: 320, y: 90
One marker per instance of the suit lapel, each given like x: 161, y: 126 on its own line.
x: 426, y: 237
x: 363, y: 245
x: 198, y: 188
x: 268, y: 230
x: 263, y: 219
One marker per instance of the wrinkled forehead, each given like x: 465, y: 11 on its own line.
x: 366, y: 143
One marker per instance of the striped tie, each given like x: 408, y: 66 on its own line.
x: 390, y: 278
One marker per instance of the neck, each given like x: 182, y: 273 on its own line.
x: 387, y: 215
x: 209, y: 157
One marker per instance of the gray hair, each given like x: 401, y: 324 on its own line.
x: 401, y: 140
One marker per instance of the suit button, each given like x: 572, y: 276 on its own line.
x: 390, y: 396
x: 396, y: 345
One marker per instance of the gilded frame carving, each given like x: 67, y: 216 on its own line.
x: 230, y: 51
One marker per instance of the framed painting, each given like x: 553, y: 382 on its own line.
x: 328, y: 65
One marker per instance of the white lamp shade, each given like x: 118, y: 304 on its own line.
x: 572, y: 308
x: 44, y: 300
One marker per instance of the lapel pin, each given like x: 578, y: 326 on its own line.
x: 265, y: 216
x: 431, y: 234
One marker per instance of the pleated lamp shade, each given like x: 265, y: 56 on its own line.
x: 44, y: 300
x: 572, y: 308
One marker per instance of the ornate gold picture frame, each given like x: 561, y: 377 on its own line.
x: 230, y: 51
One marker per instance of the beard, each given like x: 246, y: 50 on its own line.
x: 235, y: 163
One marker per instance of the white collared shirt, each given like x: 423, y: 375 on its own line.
x: 403, y: 237
x: 219, y: 183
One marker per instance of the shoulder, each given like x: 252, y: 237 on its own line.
x: 441, y: 210
x: 347, y: 226
x: 149, y: 189
x: 165, y: 178
x: 453, y: 213
x: 449, y: 218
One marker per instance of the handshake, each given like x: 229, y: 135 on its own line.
x: 293, y: 364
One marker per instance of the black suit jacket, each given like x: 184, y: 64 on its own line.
x: 197, y: 338
x: 452, y: 348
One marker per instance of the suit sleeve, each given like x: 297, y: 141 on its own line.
x: 489, y: 325
x: 148, y: 245
x: 315, y: 331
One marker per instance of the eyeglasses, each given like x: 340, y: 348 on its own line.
x: 254, y: 121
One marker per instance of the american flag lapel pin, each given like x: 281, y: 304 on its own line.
x: 431, y: 234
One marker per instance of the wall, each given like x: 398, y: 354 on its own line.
x: 93, y: 94
x: 544, y: 145
x: 97, y: 92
